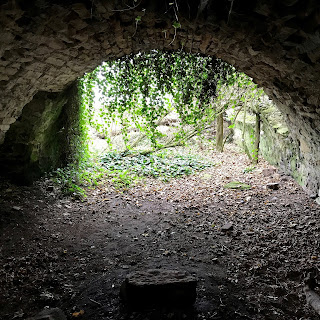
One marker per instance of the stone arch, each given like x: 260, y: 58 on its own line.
x: 46, y: 45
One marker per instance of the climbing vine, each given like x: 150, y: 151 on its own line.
x: 141, y: 90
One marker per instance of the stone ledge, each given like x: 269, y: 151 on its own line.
x: 156, y: 287
x: 49, y: 314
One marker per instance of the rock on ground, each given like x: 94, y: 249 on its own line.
x: 50, y: 314
x: 143, y: 289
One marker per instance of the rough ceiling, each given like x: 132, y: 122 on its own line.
x: 46, y: 45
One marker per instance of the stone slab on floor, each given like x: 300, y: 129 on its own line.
x: 50, y: 314
x: 157, y: 287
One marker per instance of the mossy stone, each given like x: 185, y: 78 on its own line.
x: 237, y: 185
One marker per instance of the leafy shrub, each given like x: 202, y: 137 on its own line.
x: 74, y: 178
x: 153, y: 165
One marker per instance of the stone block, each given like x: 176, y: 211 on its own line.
x: 105, y: 44
x: 72, y: 52
x: 57, y: 25
x: 55, y: 44
x: 4, y: 127
x: 8, y: 121
x: 101, y: 9
x: 205, y: 43
x: 56, y: 62
x: 2, y: 136
x: 78, y: 24
x: 79, y: 68
x: 4, y: 63
x: 35, y: 39
x: 36, y: 66
x: 122, y: 44
x: 81, y: 10
x: 273, y: 186
x: 6, y: 37
x: 4, y: 113
x: 304, y: 147
x: 3, y: 77
x: 311, y: 115
x: 26, y: 59
x: 157, y: 287
x: 43, y: 50
x: 82, y: 37
x: 227, y: 227
x: 314, y: 55
x: 50, y: 314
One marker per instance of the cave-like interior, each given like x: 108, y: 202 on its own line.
x: 46, y: 46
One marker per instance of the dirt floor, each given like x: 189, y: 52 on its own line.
x: 74, y: 255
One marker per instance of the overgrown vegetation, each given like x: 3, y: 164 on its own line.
x: 82, y: 170
x: 156, y: 101
x: 140, y: 91
x: 76, y: 177
x: 160, y: 165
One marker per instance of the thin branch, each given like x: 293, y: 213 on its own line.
x: 231, y: 6
x: 234, y: 121
x: 129, y: 8
x: 174, y: 37
x: 137, y: 21
x: 96, y: 302
x: 175, y: 2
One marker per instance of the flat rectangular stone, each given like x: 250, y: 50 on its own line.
x: 50, y: 314
x: 145, y: 289
x: 8, y: 121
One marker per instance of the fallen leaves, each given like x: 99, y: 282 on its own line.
x: 272, y: 239
x: 78, y: 314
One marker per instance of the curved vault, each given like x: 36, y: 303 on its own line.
x: 46, y: 45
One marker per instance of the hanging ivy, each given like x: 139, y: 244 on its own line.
x: 140, y: 90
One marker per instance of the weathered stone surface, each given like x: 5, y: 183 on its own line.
x: 145, y: 289
x: 273, y: 186
x: 268, y: 172
x: 36, y: 142
x: 50, y: 314
x: 227, y: 227
x: 46, y: 47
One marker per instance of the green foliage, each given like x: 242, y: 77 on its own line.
x: 160, y: 165
x: 140, y: 90
x: 122, y: 179
x: 237, y: 185
x: 75, y: 178
x: 249, y: 169
x: 240, y: 100
x: 82, y: 171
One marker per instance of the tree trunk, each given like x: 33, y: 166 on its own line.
x: 244, y: 145
x: 219, y: 135
x: 257, y: 139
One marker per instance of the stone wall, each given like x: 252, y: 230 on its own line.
x: 40, y: 139
x: 278, y: 146
x: 45, y: 46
